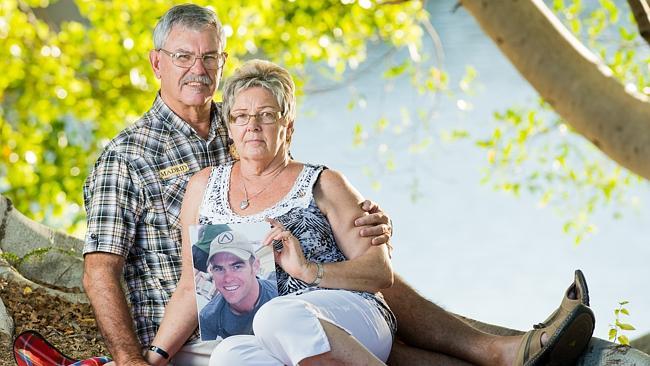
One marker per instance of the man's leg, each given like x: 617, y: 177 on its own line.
x: 424, y: 325
x: 405, y: 355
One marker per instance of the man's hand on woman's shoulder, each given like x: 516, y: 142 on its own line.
x: 381, y: 226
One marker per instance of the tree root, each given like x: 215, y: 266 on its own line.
x: 10, y: 274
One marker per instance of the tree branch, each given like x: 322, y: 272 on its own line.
x: 641, y: 11
x: 578, y: 85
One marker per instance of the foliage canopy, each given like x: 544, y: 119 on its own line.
x: 71, y: 85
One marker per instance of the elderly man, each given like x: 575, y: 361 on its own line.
x: 133, y: 198
x: 234, y: 269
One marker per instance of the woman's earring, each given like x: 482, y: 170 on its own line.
x: 233, y: 152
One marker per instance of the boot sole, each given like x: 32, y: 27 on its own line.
x: 570, y: 345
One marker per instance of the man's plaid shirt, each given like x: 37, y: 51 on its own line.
x: 133, y: 200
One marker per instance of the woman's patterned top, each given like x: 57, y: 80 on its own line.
x: 299, y: 214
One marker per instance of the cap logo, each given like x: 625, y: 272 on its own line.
x: 225, y: 238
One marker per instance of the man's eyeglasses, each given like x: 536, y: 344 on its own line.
x: 265, y: 118
x: 211, y: 61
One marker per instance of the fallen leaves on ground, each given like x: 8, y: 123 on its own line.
x: 68, y: 326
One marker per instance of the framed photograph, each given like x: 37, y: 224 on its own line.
x: 234, y: 275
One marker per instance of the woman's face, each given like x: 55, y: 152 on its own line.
x: 257, y: 140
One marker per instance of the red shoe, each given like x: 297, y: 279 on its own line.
x: 31, y: 349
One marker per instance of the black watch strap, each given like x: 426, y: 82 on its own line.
x: 159, y: 351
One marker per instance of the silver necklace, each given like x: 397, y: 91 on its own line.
x: 246, y: 202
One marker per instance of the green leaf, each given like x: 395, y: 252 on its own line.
x: 397, y: 70
x: 622, y: 339
x: 627, y: 327
x: 381, y: 124
x: 624, y: 326
x: 484, y: 143
x: 358, y: 134
x: 612, y: 334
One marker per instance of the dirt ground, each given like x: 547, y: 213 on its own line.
x: 70, y: 327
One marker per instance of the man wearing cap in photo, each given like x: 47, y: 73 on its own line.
x: 234, y: 266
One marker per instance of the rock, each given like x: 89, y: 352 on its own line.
x: 642, y: 343
x: 602, y: 352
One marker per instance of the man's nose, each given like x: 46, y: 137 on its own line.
x: 227, y: 275
x: 198, y: 67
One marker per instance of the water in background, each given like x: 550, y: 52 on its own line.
x: 477, y: 252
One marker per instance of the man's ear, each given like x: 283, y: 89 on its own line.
x: 154, y: 60
x: 256, y: 266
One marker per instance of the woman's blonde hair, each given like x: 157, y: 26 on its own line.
x: 265, y: 74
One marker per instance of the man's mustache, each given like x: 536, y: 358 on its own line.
x: 203, y: 79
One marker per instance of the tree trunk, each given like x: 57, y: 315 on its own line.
x: 6, y: 325
x: 61, y: 265
x: 570, y: 78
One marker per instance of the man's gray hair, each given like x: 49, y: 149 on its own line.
x: 265, y: 74
x: 190, y: 16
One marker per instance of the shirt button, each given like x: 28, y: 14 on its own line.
x: 93, y: 236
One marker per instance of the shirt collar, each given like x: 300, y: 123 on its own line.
x: 173, y: 120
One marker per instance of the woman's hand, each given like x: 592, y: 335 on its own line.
x: 290, y: 257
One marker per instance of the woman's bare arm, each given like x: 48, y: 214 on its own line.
x: 368, y: 267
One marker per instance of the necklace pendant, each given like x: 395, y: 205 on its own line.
x: 244, y: 204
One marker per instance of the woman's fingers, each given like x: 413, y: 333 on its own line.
x: 276, y: 227
x: 274, y: 223
x: 284, y: 235
x: 286, y: 248
x: 270, y: 236
x: 276, y: 239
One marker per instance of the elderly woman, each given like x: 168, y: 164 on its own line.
x: 329, y: 307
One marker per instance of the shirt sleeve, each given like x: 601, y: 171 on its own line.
x: 112, y: 197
